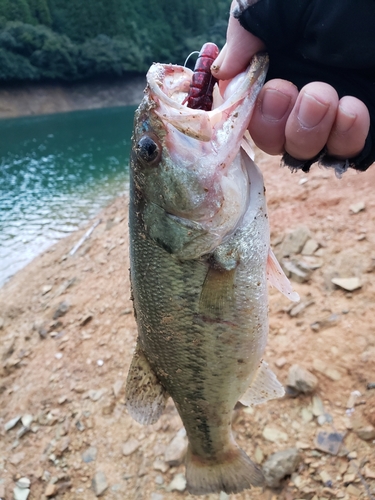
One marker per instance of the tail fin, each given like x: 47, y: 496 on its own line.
x: 234, y: 473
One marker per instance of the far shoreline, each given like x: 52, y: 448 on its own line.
x: 29, y: 99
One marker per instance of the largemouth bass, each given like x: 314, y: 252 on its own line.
x: 200, y: 253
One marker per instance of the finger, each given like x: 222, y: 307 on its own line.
x: 309, y: 124
x: 350, y: 129
x: 240, y: 47
x: 274, y: 105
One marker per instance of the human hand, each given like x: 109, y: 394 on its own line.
x: 300, y: 123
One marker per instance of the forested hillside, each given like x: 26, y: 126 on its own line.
x: 80, y: 39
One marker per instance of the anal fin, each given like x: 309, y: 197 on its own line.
x: 264, y: 387
x: 145, y: 396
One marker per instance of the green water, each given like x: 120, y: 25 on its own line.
x: 57, y: 172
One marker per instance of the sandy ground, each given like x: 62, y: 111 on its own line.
x: 63, y: 366
x: 43, y: 98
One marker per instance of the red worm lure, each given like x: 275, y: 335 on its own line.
x: 202, y: 84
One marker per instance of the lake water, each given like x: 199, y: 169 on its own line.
x: 57, y: 172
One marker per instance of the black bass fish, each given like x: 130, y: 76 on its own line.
x: 200, y: 254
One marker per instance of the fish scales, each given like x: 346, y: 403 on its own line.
x: 199, y: 289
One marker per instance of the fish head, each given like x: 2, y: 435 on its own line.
x: 186, y: 161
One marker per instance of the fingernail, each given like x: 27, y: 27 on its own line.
x: 311, y: 111
x: 215, y: 67
x: 274, y: 104
x: 345, y: 120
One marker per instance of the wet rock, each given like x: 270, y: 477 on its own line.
x: 130, y: 446
x: 90, y: 454
x: 279, y: 465
x: 61, y: 310
x: 178, y: 483
x: 329, y: 442
x: 99, y: 483
x: 176, y: 450
x: 301, y: 379
x: 348, y: 284
x: 274, y: 435
x: 294, y: 241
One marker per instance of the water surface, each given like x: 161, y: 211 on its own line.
x: 57, y: 172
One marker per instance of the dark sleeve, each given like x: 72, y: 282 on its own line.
x: 320, y: 40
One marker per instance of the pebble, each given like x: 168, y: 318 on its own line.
x: 355, y: 208
x: 367, y: 433
x: 176, y: 451
x: 307, y: 415
x: 325, y: 478
x: 178, y: 483
x: 295, y: 271
x: 61, y: 310
x: 156, y: 496
x: 130, y: 446
x: 329, y: 442
x: 354, y: 395
x: 294, y: 241
x: 310, y: 247
x: 280, y: 464
x: 274, y: 435
x: 160, y: 465
x: 51, y: 490
x: 301, y: 379
x: 159, y: 480
x: 23, y: 483
x: 20, y: 493
x: 12, y: 423
x: 90, y: 454
x: 96, y: 395
x: 353, y: 490
x: 281, y: 362
x: 99, y: 483
x: 348, y: 284
x: 117, y: 387
x: 324, y: 323
x: 317, y: 406
x: 27, y: 420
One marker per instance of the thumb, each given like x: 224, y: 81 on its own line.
x: 237, y: 52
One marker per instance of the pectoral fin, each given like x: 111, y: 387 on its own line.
x: 277, y: 278
x: 145, y: 396
x: 217, y: 293
x: 264, y: 387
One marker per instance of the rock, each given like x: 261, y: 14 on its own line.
x: 130, y: 446
x: 27, y: 420
x: 281, y: 362
x: 357, y: 207
x: 176, y: 450
x: 348, y: 284
x: 178, y: 483
x: 61, y: 310
x: 353, y: 491
x: 159, y: 480
x: 20, y: 493
x: 23, y: 483
x: 51, y: 490
x: 224, y: 496
x: 310, y: 247
x: 295, y: 271
x: 99, y: 483
x: 325, y: 478
x: 17, y: 458
x: 280, y: 464
x: 367, y: 433
x: 294, y: 241
x: 301, y: 379
x: 354, y: 395
x: 317, y: 406
x: 307, y: 415
x: 156, y: 496
x: 296, y: 310
x: 90, y: 454
x: 274, y: 435
x: 117, y: 387
x: 324, y: 323
x: 12, y: 423
x: 96, y: 395
x: 329, y: 442
x: 86, y: 319
x: 160, y: 465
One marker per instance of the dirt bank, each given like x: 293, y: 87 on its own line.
x: 37, y: 99
x: 67, y: 333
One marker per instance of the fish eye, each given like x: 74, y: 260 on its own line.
x: 148, y: 150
